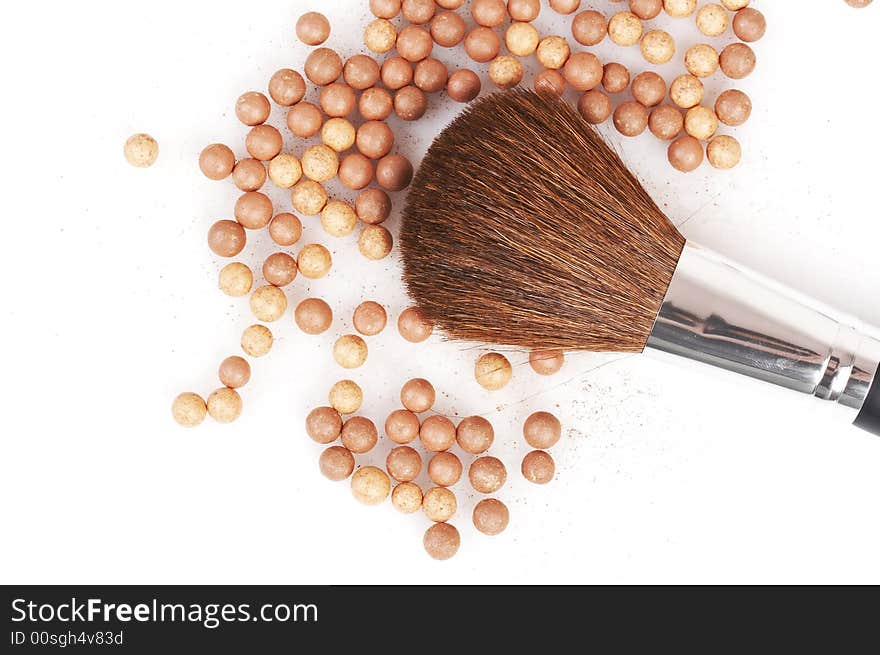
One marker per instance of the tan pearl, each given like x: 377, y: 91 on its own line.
x: 474, y: 434
x: 216, y: 161
x: 369, y: 318
x: 430, y: 75
x: 417, y: 395
x: 685, y: 154
x: 234, y: 372
x: 313, y: 316
x: 336, y: 463
x: 252, y: 108
x: 538, y: 467
x: 249, y: 174
x: 487, y: 474
x: 437, y: 433
x: 546, y: 362
x: 287, y: 87
x: 360, y: 72
x: 491, y: 516
x: 279, y: 269
x: 441, y: 541
x: 285, y: 229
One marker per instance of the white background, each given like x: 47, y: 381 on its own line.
x: 110, y: 308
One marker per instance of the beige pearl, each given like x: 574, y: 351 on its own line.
x: 505, y: 71
x: 375, y: 242
x: 141, y: 150
x: 712, y: 20
x: 350, y: 351
x: 700, y: 122
x: 308, y: 197
x: 284, y: 170
x: 407, y: 497
x: 370, y: 485
x: 268, y: 303
x: 724, y: 152
x: 658, y: 47
x: 439, y: 504
x: 625, y: 28
x: 553, y: 52
x: 320, y: 163
x: 680, y: 8
x: 493, y: 371
x: 236, y: 279
x: 380, y: 36
x: 224, y: 405
x: 522, y: 39
x: 256, y: 340
x: 189, y: 409
x: 701, y: 60
x: 338, y: 134
x: 346, y: 397
x: 314, y: 261
x: 735, y: 5
x: 338, y: 218
x: 686, y: 91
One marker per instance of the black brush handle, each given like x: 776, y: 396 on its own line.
x: 869, y: 415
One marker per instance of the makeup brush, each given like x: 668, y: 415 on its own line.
x: 523, y: 228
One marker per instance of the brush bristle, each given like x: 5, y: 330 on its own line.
x: 524, y: 228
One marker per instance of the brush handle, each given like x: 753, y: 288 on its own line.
x: 719, y: 313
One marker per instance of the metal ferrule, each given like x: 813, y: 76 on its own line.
x: 718, y: 313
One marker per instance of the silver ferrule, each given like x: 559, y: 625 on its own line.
x: 715, y: 312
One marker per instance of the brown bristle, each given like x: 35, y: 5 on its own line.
x: 524, y: 228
